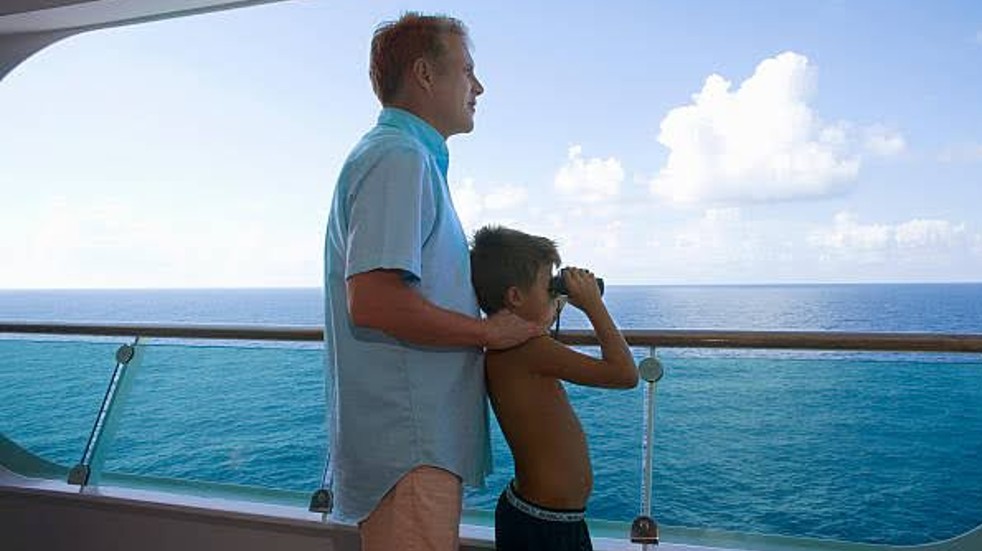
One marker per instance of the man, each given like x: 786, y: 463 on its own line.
x: 404, y: 335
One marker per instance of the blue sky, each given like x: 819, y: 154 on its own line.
x: 657, y: 142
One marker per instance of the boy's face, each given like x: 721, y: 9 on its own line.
x: 537, y: 304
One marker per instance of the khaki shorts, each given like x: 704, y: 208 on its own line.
x: 421, y: 512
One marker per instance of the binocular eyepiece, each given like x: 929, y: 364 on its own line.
x: 557, y: 285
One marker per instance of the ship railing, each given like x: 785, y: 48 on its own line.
x: 644, y: 529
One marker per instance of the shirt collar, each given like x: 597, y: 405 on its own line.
x: 419, y: 129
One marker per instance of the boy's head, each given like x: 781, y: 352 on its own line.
x: 508, y: 266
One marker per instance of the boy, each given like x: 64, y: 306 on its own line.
x: 543, y: 507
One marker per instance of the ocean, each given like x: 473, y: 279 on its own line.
x: 864, y: 447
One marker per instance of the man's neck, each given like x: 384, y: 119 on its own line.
x: 418, y: 109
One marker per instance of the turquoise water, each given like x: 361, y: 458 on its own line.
x: 872, y: 447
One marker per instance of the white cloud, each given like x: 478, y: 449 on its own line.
x: 760, y: 142
x: 598, y: 245
x: 468, y: 203
x: 726, y: 215
x: 919, y: 233
x: 589, y: 180
x: 730, y: 245
x: 919, y: 249
x: 720, y: 237
x: 476, y: 208
x: 636, y: 244
x: 846, y: 233
x: 965, y: 153
x: 505, y: 197
x: 85, y: 243
x: 719, y: 245
x: 847, y: 236
x: 884, y: 142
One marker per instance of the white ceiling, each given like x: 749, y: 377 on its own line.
x: 28, y: 16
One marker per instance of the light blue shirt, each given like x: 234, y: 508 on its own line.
x: 392, y: 405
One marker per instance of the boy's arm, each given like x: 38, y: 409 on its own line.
x: 615, y: 368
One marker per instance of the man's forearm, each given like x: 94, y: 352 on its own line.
x: 419, y: 321
x: 381, y: 300
x: 389, y: 305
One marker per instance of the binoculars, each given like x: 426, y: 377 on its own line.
x: 557, y: 285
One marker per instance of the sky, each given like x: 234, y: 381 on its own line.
x: 667, y: 143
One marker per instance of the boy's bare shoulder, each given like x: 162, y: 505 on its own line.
x: 527, y: 354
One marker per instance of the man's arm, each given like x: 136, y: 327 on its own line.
x: 381, y: 300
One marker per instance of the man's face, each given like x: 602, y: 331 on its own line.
x: 455, y: 89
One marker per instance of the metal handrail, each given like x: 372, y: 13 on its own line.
x: 674, y: 338
x: 196, y: 331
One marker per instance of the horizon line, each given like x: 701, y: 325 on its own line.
x: 318, y: 287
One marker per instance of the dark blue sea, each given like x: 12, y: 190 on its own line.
x: 865, y: 447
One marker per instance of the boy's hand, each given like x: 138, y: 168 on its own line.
x: 506, y: 329
x: 584, y: 293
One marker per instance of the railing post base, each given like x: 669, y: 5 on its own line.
x: 79, y: 475
x: 644, y: 530
x: 322, y: 501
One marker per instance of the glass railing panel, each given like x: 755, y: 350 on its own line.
x: 51, y: 393
x: 858, y: 447
x: 236, y: 415
x: 882, y: 450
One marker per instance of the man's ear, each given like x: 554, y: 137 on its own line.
x: 513, y: 297
x: 421, y: 72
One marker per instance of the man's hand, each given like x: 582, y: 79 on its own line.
x: 506, y: 329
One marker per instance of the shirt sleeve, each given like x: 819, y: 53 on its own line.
x: 390, y: 211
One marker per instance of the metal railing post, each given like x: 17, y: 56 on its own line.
x: 91, y: 460
x: 644, y: 529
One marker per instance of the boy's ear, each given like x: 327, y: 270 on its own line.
x: 513, y: 297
